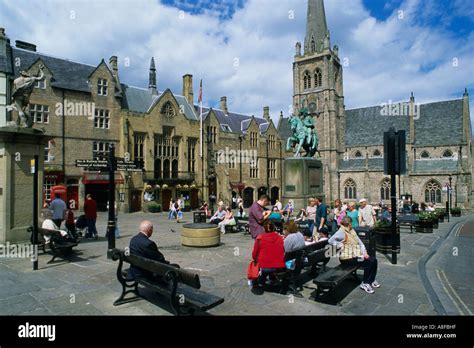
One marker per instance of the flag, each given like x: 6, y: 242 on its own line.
x: 200, y: 93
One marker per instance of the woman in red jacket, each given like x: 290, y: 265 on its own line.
x: 269, y: 252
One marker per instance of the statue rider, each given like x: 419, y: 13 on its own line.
x: 308, y: 122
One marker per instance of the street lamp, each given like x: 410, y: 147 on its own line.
x: 338, y: 184
x: 450, y: 191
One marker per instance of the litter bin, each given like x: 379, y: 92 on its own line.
x: 367, y: 236
x: 199, y: 217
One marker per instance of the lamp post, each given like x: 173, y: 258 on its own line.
x: 450, y: 192
x: 338, y: 184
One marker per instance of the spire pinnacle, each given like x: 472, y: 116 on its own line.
x: 317, y: 34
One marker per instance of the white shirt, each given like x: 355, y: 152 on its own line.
x: 367, y: 216
x: 278, y: 205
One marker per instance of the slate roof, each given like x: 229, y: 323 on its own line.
x: 238, y: 123
x: 440, y: 123
x: 435, y: 165
x: 141, y: 100
x: 66, y: 74
x: 6, y: 62
x: 366, y: 126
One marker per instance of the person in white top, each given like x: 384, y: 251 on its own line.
x: 430, y: 207
x: 48, y: 224
x: 278, y: 205
x: 366, y: 214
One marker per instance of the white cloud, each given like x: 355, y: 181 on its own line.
x: 387, y: 59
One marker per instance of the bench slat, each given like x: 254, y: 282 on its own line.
x: 197, y: 298
x: 334, y: 276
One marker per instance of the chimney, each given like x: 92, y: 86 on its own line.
x: 188, y: 88
x: 25, y: 45
x: 152, y: 78
x: 266, y: 113
x: 224, y: 105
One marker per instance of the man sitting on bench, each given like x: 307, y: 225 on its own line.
x: 142, y: 245
x: 353, y: 252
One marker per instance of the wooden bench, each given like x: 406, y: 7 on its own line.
x: 408, y: 221
x: 334, y: 277
x: 312, y: 258
x: 59, y: 246
x: 180, y: 287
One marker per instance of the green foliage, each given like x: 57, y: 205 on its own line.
x: 382, y: 224
x: 154, y: 207
x: 427, y: 215
x: 456, y: 210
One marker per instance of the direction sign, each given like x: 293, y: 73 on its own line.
x: 92, y: 163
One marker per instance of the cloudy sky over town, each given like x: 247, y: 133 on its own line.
x: 244, y: 49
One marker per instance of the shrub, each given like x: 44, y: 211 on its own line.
x: 154, y: 207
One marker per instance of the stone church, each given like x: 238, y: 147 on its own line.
x: 438, y: 135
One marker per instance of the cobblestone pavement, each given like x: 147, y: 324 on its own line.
x: 88, y: 285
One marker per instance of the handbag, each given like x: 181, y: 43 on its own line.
x: 253, y: 269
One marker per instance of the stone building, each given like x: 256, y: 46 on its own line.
x: 79, y: 106
x: 85, y: 108
x: 438, y: 135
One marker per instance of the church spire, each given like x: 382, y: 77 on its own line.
x: 317, y: 34
x: 152, y: 78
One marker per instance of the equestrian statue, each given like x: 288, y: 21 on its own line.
x: 304, y: 135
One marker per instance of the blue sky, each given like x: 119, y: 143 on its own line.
x: 244, y: 49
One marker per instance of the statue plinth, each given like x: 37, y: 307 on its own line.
x: 18, y: 146
x: 302, y: 178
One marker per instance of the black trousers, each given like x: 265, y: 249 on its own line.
x: 370, y: 267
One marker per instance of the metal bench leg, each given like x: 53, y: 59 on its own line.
x: 122, y: 300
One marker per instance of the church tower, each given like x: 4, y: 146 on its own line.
x: 317, y: 73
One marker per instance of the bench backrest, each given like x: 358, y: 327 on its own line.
x: 183, y: 276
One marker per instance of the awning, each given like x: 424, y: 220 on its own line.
x: 101, y: 179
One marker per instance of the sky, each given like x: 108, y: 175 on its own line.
x: 244, y: 49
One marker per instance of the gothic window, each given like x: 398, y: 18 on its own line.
x: 433, y: 192
x: 318, y: 78
x: 358, y: 154
x: 385, y: 190
x: 313, y: 45
x: 350, y: 189
x: 448, y: 153
x: 425, y: 154
x: 377, y: 153
x: 306, y: 80
x: 168, y: 111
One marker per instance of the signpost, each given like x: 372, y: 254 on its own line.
x: 111, y: 165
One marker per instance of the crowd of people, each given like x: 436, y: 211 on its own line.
x: 270, y: 246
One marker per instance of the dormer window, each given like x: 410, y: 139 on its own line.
x: 226, y: 128
x: 41, y: 84
x: 102, y: 86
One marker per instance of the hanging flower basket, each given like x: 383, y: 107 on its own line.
x: 178, y: 186
x: 193, y: 186
x: 157, y: 187
x: 148, y: 188
x: 186, y: 187
x: 164, y: 187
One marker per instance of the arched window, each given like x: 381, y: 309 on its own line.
x: 167, y: 110
x: 377, y: 153
x: 448, y: 154
x: 350, y: 189
x: 307, y: 80
x: 385, y: 190
x: 425, y: 154
x: 157, y: 169
x: 358, y: 154
x: 174, y: 169
x: 433, y: 192
x: 318, y: 78
x: 313, y: 45
x: 166, y: 169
